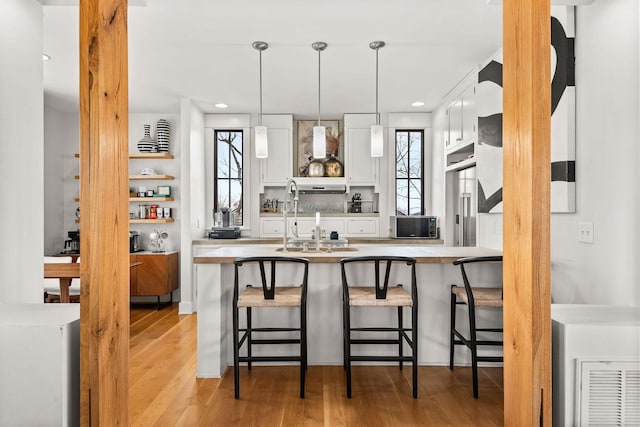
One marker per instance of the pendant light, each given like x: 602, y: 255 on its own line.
x: 377, y: 137
x: 260, y: 136
x: 319, y: 132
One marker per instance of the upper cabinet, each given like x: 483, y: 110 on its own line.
x: 462, y: 119
x: 276, y: 169
x: 360, y: 168
x: 461, y: 134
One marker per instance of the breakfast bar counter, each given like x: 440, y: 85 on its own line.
x: 435, y: 273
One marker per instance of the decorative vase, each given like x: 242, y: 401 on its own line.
x: 146, y: 144
x: 333, y: 167
x: 316, y: 168
x: 162, y: 135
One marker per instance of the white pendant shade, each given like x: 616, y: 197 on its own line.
x: 377, y: 141
x: 262, y: 148
x: 319, y: 142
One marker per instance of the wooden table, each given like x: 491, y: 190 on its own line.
x: 66, y: 272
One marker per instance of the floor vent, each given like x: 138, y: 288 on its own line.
x: 608, y: 393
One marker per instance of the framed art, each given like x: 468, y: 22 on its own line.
x: 304, y: 146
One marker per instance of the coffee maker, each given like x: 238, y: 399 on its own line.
x: 72, y: 244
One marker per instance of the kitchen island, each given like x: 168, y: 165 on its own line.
x: 435, y: 272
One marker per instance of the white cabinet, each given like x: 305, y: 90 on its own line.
x: 40, y: 365
x: 277, y: 168
x: 362, y: 227
x: 469, y: 115
x: 307, y: 226
x: 361, y: 168
x: 270, y: 227
x: 345, y: 226
x: 462, y: 119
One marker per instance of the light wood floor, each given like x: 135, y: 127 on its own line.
x: 165, y: 392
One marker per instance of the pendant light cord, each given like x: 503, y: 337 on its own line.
x: 260, y: 117
x: 319, y: 87
x: 377, y: 115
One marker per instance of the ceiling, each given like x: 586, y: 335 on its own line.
x: 201, y: 49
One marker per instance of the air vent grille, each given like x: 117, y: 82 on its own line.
x: 609, y: 393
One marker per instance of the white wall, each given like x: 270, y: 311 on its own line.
x: 607, y: 154
x: 61, y: 142
x: 192, y: 202
x: 21, y: 144
x: 607, y: 172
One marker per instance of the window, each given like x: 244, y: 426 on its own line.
x: 228, y: 172
x: 409, y: 172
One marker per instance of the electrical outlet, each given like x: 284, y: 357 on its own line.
x: 585, y: 232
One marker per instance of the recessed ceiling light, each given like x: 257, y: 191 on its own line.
x: 45, y: 57
x: 220, y: 105
x: 417, y: 104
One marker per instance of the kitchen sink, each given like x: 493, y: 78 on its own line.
x: 322, y: 249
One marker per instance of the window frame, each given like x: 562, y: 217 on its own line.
x: 408, y: 178
x: 241, y: 177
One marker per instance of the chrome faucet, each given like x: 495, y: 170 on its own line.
x: 291, y: 185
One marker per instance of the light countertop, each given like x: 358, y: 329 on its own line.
x: 422, y: 254
x: 352, y: 240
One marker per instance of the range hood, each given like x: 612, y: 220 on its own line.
x: 321, y: 185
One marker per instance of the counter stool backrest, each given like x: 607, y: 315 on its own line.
x: 381, y: 289
x: 269, y: 289
x: 465, y: 279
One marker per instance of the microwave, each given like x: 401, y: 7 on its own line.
x: 414, y: 227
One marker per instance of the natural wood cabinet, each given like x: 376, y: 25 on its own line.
x: 157, y: 274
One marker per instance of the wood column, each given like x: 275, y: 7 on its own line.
x: 104, y: 224
x: 527, y: 181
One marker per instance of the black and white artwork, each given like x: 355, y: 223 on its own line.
x: 563, y: 95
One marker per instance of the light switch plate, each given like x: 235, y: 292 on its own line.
x: 585, y: 232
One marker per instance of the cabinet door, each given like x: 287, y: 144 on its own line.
x: 157, y: 275
x: 361, y: 168
x: 469, y: 114
x: 133, y: 276
x: 271, y: 227
x: 362, y: 227
x: 276, y: 169
x: 307, y: 226
x: 455, y: 122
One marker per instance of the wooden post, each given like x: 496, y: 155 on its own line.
x: 527, y: 181
x: 104, y: 225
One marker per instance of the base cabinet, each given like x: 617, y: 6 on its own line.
x: 157, y: 274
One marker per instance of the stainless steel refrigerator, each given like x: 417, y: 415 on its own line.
x: 465, y: 207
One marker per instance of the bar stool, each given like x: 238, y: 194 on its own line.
x: 270, y: 295
x: 474, y: 297
x: 380, y: 295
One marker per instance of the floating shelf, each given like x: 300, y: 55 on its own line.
x: 150, y: 156
x: 151, y: 177
x: 150, y: 221
x: 143, y: 155
x: 151, y: 199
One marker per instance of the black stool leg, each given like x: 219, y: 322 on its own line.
x: 236, y: 350
x: 303, y: 349
x: 348, y: 348
x: 249, y: 337
x: 474, y: 349
x: 453, y: 328
x: 400, y: 338
x: 414, y: 345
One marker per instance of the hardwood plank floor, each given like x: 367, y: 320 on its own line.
x: 164, y: 391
